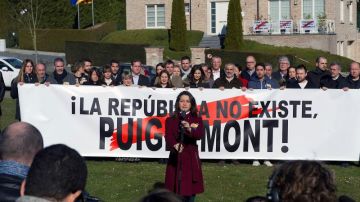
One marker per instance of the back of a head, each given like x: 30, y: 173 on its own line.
x: 161, y: 195
x: 56, y: 172
x: 304, y: 181
x: 20, y: 142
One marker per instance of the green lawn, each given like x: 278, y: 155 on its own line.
x: 153, y: 37
x: 120, y: 181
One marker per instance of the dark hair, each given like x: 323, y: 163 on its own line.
x: 97, y: 72
x: 77, y: 66
x: 169, y: 84
x: 22, y: 70
x: 193, y: 109
x: 58, y: 60
x: 114, y: 61
x: 301, y: 66
x: 304, y: 181
x: 161, y: 195
x: 192, y: 72
x: 261, y: 65
x: 56, y: 172
x: 185, y: 58
x: 135, y: 60
x: 159, y: 65
x: 106, y: 68
x: 87, y: 60
x: 169, y: 62
x: 20, y: 141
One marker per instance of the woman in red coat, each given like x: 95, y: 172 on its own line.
x: 182, y: 130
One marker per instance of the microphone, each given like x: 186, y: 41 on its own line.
x: 182, y: 115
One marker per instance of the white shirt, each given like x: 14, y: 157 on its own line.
x: 135, y: 79
x: 303, y: 84
x: 216, y: 74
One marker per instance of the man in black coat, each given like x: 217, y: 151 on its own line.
x: 333, y: 81
x: 301, y: 82
x: 19, y: 143
x: 115, y: 72
x: 217, y: 71
x: 320, y: 71
x: 2, y: 90
x: 353, y: 80
x: 138, y: 78
x: 250, y: 68
x: 281, y: 74
x: 229, y: 81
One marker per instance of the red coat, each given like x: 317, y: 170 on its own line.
x: 189, y: 161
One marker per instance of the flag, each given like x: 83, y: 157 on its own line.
x: 77, y: 2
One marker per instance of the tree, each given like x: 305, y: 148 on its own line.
x: 178, y: 26
x: 234, y: 33
x: 28, y: 14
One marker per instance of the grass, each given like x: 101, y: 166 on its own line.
x: 153, y: 37
x: 120, y: 181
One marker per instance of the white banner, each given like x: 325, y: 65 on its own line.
x: 259, y: 124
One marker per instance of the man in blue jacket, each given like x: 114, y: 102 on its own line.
x: 261, y: 81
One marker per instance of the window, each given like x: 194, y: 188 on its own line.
x: 279, y: 10
x: 213, y: 17
x: 187, y: 9
x: 312, y: 9
x: 155, y: 16
x: 342, y: 11
x: 350, y: 12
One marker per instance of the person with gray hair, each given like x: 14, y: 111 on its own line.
x: 42, y: 76
x: 335, y: 80
x: 281, y: 74
x: 19, y: 143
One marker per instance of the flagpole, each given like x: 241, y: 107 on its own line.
x: 93, y: 18
x: 78, y: 10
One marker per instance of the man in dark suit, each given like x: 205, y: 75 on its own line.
x: 138, y: 78
x: 333, y: 81
x: 281, y: 74
x: 216, y: 68
x: 250, y: 68
x: 301, y: 82
x: 115, y: 72
x: 2, y: 90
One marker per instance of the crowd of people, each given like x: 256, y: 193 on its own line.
x: 30, y: 172
x: 255, y: 75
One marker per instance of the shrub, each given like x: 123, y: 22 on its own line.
x: 54, y: 39
x: 102, y: 53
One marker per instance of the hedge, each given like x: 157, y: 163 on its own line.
x: 54, y: 39
x: 102, y: 53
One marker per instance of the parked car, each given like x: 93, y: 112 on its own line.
x: 9, y: 67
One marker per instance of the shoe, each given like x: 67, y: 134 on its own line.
x: 256, y: 163
x: 221, y: 163
x: 268, y: 163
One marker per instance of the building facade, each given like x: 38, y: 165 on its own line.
x: 329, y: 25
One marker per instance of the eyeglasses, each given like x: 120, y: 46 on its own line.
x: 250, y: 62
x: 323, y: 63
